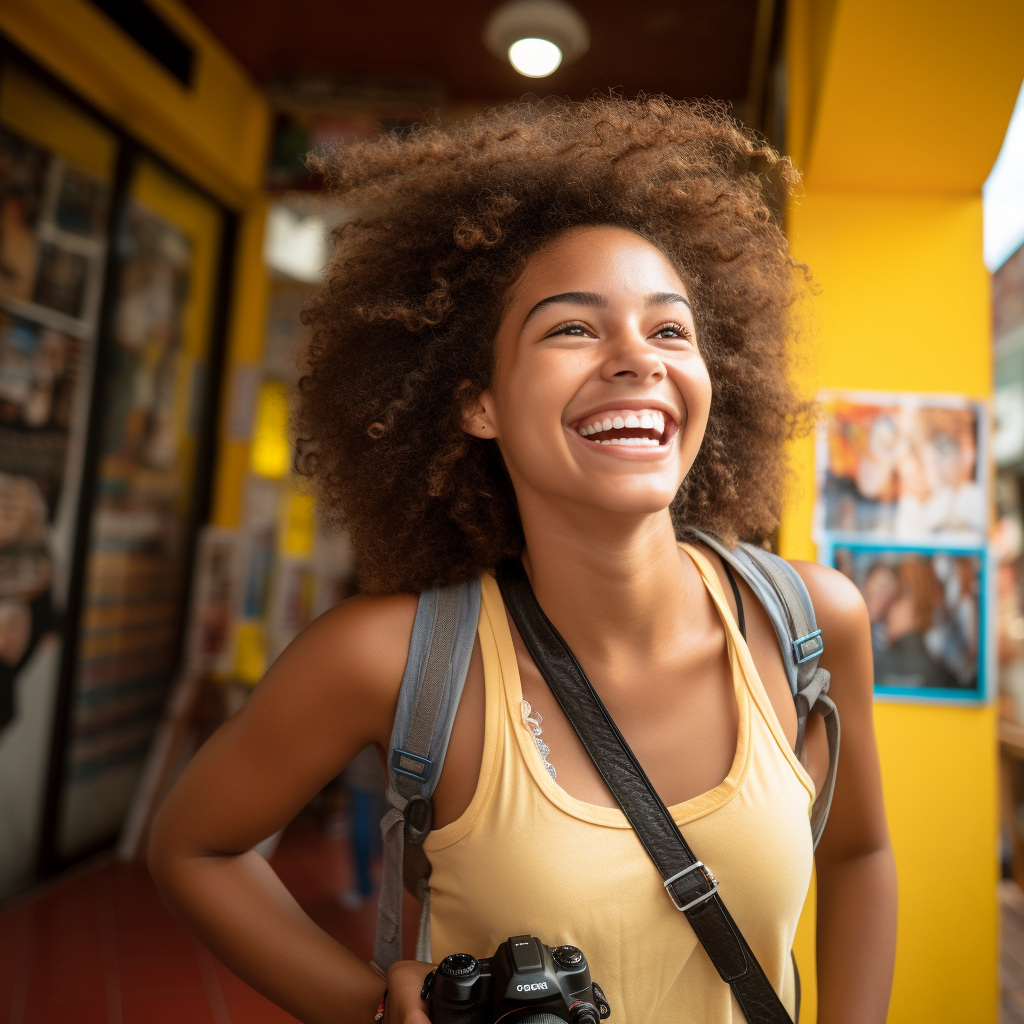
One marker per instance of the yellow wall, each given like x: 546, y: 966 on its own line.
x: 898, y: 111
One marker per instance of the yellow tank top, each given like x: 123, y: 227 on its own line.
x: 526, y: 857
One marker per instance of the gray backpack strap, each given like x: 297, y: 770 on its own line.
x: 780, y: 590
x: 435, y: 673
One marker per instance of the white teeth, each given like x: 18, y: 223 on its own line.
x: 631, y: 442
x: 645, y: 420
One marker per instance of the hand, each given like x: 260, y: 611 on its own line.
x: 405, y: 982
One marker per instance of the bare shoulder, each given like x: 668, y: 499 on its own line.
x: 348, y: 662
x: 366, y: 635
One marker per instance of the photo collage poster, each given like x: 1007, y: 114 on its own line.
x: 902, y: 510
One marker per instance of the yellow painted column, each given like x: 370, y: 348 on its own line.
x: 899, y: 109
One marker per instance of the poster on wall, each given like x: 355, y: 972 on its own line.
x: 902, y: 510
x: 929, y: 610
x: 901, y: 465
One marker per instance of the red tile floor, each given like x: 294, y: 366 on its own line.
x: 98, y: 947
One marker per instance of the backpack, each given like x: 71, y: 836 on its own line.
x: 439, y: 652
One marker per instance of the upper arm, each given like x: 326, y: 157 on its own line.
x: 856, y: 822
x: 332, y: 692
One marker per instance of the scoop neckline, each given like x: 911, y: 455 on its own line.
x: 687, y: 810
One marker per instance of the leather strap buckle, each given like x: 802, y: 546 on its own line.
x: 707, y: 876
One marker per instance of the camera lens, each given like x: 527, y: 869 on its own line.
x: 458, y: 965
x: 567, y: 956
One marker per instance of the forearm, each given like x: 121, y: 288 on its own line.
x: 856, y: 938
x: 240, y: 909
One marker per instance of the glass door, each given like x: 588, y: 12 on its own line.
x: 156, y: 395
x: 57, y: 167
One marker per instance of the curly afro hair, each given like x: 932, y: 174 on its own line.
x: 442, y: 220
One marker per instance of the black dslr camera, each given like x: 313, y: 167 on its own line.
x: 524, y: 982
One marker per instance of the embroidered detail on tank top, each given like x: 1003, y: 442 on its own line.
x: 532, y: 720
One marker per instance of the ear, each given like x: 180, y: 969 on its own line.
x: 478, y: 416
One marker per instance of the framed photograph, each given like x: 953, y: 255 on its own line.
x: 929, y: 611
x: 903, y: 465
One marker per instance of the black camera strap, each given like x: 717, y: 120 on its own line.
x: 689, y: 884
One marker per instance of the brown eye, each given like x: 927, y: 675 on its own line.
x: 571, y: 330
x: 673, y: 331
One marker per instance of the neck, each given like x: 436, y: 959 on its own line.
x: 606, y: 580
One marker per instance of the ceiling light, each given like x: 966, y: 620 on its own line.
x: 536, y: 36
x: 535, y: 58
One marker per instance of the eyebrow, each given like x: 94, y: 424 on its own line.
x: 576, y: 298
x: 664, y: 298
x: 600, y: 302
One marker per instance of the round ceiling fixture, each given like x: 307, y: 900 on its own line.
x: 536, y: 36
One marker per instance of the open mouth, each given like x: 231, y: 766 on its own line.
x: 630, y: 428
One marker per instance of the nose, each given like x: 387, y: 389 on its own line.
x: 630, y: 357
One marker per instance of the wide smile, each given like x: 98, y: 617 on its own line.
x: 645, y: 432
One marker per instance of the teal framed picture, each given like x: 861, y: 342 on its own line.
x: 929, y: 605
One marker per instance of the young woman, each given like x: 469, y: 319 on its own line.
x: 508, y: 294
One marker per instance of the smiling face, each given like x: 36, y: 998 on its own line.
x: 600, y: 397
